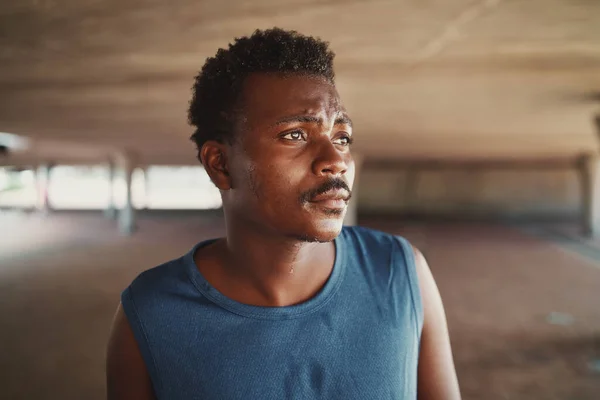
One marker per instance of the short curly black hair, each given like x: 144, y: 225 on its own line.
x: 217, y: 88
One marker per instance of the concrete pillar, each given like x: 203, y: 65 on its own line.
x: 589, y: 172
x: 351, y: 217
x: 111, y: 209
x: 146, y: 186
x: 126, y: 161
x: 42, y: 178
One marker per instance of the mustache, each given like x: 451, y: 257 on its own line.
x: 331, y: 184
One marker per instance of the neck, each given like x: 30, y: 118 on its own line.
x: 274, y: 270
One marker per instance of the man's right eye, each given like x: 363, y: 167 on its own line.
x: 294, y: 136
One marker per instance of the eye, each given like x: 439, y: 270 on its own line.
x: 294, y: 136
x: 344, y: 140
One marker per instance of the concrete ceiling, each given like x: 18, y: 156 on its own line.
x: 421, y: 78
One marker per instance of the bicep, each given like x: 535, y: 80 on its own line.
x: 126, y: 373
x: 437, y: 376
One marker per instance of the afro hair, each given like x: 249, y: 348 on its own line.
x: 217, y: 88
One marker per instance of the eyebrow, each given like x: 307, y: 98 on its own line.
x: 340, y: 120
x: 343, y: 120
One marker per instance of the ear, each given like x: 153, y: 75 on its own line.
x: 214, y: 158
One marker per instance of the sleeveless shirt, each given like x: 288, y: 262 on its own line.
x: 357, y: 339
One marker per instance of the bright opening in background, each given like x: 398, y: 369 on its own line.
x: 180, y: 188
x: 87, y: 188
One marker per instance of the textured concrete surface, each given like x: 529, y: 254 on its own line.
x: 452, y: 78
x: 523, y: 311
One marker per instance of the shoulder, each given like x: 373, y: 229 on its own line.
x: 367, y: 240
x: 379, y: 251
x: 160, y: 277
x: 155, y: 287
x: 127, y: 373
x: 389, y: 259
x: 153, y: 306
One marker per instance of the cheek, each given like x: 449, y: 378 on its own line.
x: 272, y: 180
x: 273, y: 183
x: 274, y: 187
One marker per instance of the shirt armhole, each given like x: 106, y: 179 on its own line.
x: 415, y: 290
x: 141, y: 338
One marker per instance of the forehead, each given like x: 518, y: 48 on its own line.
x: 268, y: 97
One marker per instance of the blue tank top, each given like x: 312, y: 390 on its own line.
x: 357, y: 339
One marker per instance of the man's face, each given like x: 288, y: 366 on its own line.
x: 290, y: 165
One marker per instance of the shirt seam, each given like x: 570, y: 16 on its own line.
x: 288, y: 315
x: 145, y: 337
x: 409, y: 261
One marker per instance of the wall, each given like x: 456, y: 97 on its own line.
x: 476, y: 192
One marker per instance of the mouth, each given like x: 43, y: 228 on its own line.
x: 336, y: 199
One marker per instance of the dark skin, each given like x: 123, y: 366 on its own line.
x: 293, y: 139
x: 288, y: 147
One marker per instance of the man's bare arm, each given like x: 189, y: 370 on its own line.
x: 437, y: 375
x: 126, y: 373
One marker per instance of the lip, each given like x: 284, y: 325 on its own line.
x: 333, y: 204
x: 337, y: 198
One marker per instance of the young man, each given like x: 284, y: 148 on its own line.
x: 289, y: 305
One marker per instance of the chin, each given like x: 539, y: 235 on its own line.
x: 323, y: 231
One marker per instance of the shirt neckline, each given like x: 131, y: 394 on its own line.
x: 274, y: 313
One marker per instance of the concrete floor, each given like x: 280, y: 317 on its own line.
x: 523, y: 311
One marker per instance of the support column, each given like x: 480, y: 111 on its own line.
x: 146, y: 186
x: 351, y: 217
x: 111, y: 210
x: 589, y: 172
x: 42, y: 177
x: 127, y: 226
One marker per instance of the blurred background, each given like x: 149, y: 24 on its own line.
x: 478, y: 133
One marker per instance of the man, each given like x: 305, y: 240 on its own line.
x: 288, y: 305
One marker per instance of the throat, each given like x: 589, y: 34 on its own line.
x: 260, y: 279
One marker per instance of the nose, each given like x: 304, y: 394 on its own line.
x: 330, y: 160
